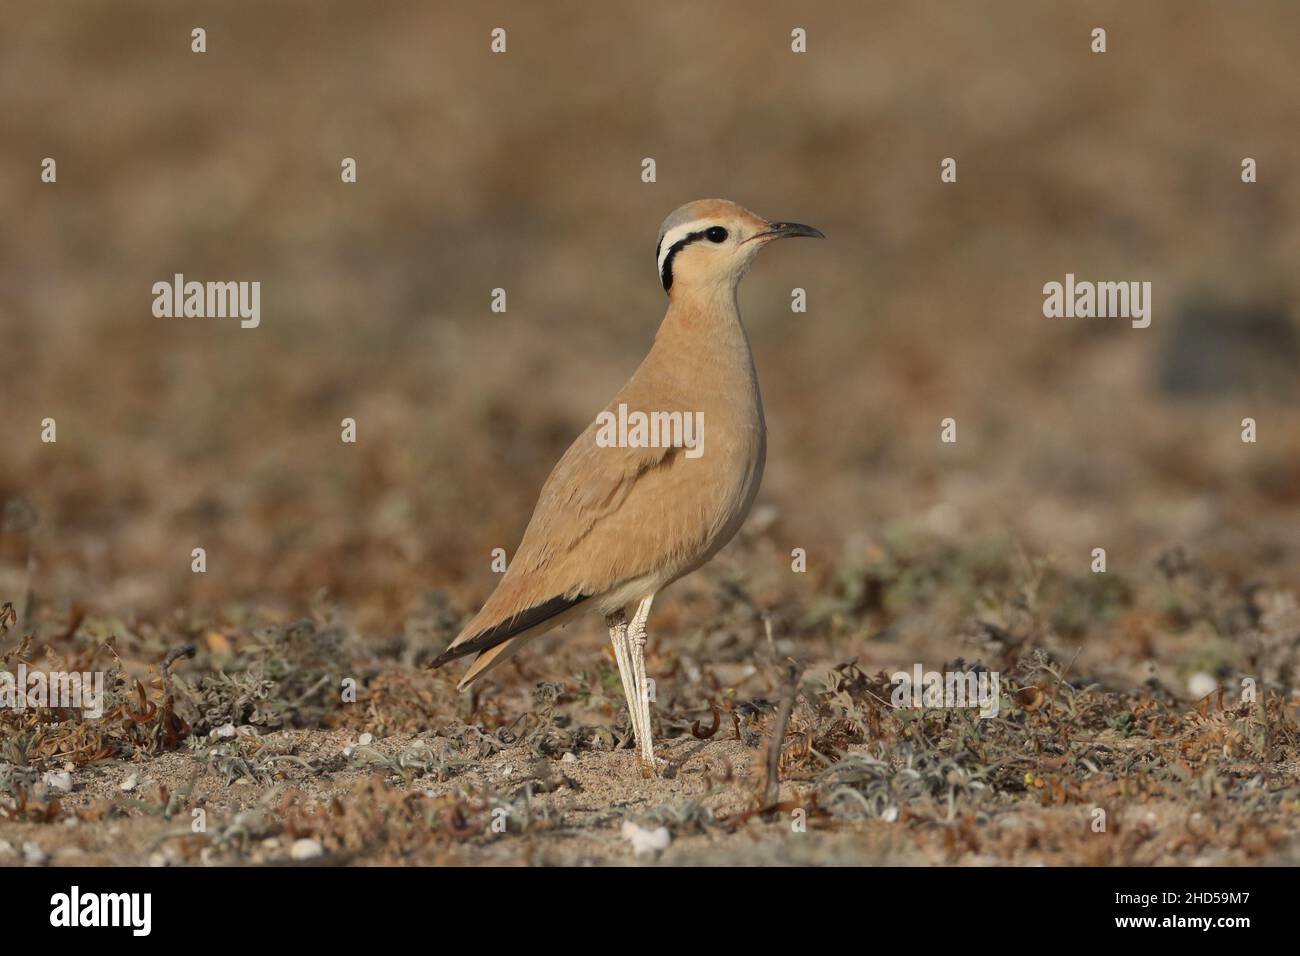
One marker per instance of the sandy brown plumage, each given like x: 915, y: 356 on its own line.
x: 614, y: 525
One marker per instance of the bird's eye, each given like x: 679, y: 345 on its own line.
x: 716, y: 234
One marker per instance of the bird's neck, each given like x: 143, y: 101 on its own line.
x: 710, y: 311
x: 703, y: 341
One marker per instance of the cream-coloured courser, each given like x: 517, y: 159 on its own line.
x: 615, y: 525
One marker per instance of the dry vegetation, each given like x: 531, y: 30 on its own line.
x: 330, y: 562
x: 251, y: 731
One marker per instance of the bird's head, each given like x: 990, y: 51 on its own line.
x: 708, y: 245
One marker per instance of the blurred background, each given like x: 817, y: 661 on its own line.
x: 522, y: 171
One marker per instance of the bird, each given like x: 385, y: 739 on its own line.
x: 630, y: 508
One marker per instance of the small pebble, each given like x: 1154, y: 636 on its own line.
x: 225, y: 730
x: 61, y: 781
x: 306, y: 849
x: 130, y: 783
x: 1202, y: 684
x: 646, y: 842
x: 34, y: 855
x: 568, y: 757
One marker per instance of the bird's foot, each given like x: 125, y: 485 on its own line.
x: 651, y: 766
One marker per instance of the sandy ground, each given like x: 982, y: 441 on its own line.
x: 494, y: 780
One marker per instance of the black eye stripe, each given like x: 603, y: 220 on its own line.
x: 666, y: 274
x: 713, y: 234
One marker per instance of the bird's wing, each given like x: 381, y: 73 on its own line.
x: 589, y: 487
x: 607, y: 515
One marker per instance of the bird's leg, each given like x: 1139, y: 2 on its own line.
x: 617, y: 624
x: 636, y: 638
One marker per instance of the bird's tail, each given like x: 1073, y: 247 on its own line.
x: 494, y: 636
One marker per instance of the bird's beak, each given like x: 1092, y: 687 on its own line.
x: 789, y: 230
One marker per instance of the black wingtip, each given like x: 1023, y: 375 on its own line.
x: 507, y: 629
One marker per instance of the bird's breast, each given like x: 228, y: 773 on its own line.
x: 701, y: 365
x: 721, y: 483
